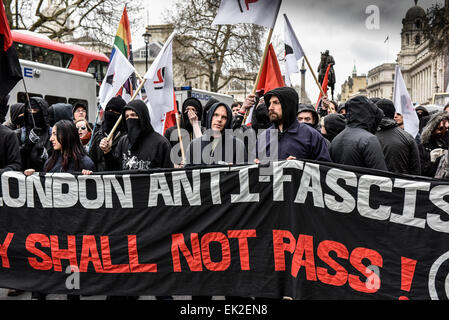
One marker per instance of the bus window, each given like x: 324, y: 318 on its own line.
x: 54, y: 99
x: 22, y: 97
x: 98, y: 69
x: 43, y: 55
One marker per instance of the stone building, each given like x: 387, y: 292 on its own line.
x: 355, y: 85
x: 381, y: 81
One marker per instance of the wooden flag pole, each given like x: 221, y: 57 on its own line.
x: 314, y: 76
x: 265, y: 53
x: 111, y: 134
x: 178, y: 125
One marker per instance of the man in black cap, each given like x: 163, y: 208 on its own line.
x: 398, y: 146
x: 111, y: 114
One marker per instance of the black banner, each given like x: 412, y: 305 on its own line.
x: 305, y: 230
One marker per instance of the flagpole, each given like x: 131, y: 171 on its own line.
x: 314, y: 76
x: 256, y: 83
x: 180, y: 138
x: 111, y: 134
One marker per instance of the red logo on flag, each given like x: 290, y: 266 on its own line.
x: 247, y: 2
x: 160, y: 78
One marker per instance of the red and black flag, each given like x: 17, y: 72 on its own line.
x: 10, y: 70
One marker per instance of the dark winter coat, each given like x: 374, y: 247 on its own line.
x: 430, y: 142
x: 86, y: 163
x: 298, y: 140
x: 399, y: 148
x: 150, y: 151
x: 34, y: 155
x: 357, y: 145
x: 229, y: 149
x: 9, y: 146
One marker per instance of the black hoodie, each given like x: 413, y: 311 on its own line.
x: 310, y: 108
x: 357, y: 145
x: 289, y: 100
x: 171, y: 133
x: 34, y: 155
x: 59, y: 111
x: 151, y: 150
x: 202, y: 151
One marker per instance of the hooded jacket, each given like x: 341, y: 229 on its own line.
x: 205, y: 150
x: 399, y: 148
x: 334, y: 123
x: 10, y: 156
x: 430, y: 142
x: 34, y: 154
x: 206, y: 108
x: 187, y: 136
x: 59, y: 111
x: 310, y: 108
x: 14, y: 111
x: 357, y: 145
x: 424, y: 118
x: 151, y: 150
x: 298, y: 140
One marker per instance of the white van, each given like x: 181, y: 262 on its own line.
x: 56, y: 85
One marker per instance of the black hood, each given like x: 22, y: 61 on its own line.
x: 289, y: 101
x: 15, y: 110
x: 310, y: 108
x: 387, y: 123
x: 334, y: 123
x: 211, y: 111
x: 40, y: 103
x: 206, y: 108
x: 424, y: 110
x: 59, y: 111
x: 141, y: 109
x: 363, y: 113
x: 260, y: 118
x: 194, y: 102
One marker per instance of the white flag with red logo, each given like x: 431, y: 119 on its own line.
x: 403, y: 104
x: 260, y: 12
x: 293, y: 51
x: 159, y: 86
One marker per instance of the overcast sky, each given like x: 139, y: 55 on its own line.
x: 339, y: 26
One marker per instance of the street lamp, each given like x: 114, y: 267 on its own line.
x: 146, y: 37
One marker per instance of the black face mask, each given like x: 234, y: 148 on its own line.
x: 134, y: 130
x: 20, y: 121
x: 39, y: 120
x: 109, y: 120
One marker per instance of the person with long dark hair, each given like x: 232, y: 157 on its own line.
x: 68, y: 155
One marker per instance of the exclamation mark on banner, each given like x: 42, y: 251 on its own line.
x: 407, y: 273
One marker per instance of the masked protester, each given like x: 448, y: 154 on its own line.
x: 332, y: 125
x: 112, y: 113
x: 84, y: 131
x: 59, y: 111
x: 190, y: 124
x: 141, y: 148
x: 35, y: 145
x: 434, y: 144
x: 357, y: 145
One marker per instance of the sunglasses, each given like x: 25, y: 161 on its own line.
x: 82, y: 128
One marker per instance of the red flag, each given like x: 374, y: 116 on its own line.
x: 170, y: 117
x: 10, y: 70
x: 271, y: 76
x: 323, y: 86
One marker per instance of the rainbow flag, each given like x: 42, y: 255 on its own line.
x: 122, y: 42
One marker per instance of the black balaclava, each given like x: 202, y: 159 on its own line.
x: 134, y: 130
x: 185, y: 117
x: 110, y: 118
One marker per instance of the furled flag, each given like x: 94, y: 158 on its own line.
x: 10, y: 70
x: 119, y: 71
x: 123, y: 42
x: 260, y: 12
x: 324, y: 85
x: 170, y: 117
x: 293, y: 51
x: 403, y: 104
x: 159, y: 86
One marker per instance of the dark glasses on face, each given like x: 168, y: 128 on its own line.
x: 82, y: 128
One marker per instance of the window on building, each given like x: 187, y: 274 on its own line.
x: 418, y: 39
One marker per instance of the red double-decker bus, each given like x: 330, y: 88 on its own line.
x: 38, y: 48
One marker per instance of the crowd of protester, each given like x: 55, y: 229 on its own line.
x: 361, y: 132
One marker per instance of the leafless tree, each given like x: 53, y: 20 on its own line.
x: 213, y: 51
x: 58, y: 19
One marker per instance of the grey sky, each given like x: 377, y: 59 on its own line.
x: 340, y: 27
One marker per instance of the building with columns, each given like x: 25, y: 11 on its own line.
x: 424, y: 73
x: 354, y: 86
